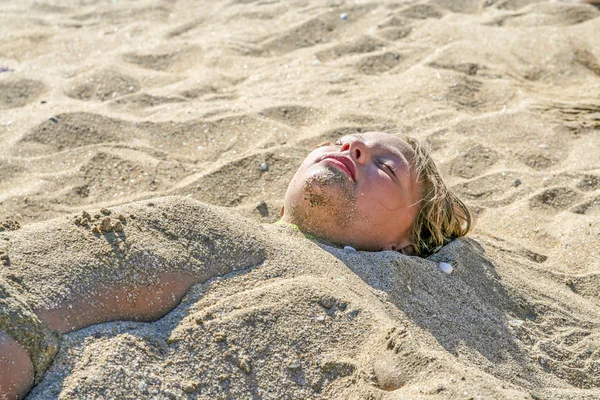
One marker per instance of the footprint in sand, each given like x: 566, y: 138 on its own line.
x: 465, y: 93
x: 71, y: 130
x: 172, y: 61
x: 395, y: 353
x: 546, y: 14
x: 110, y: 173
x: 422, y: 11
x: 591, y: 207
x: 103, y: 85
x: 246, y: 176
x: 555, y: 199
x: 395, y: 28
x: 380, y: 63
x: 474, y: 161
x: 19, y: 92
x: 318, y: 30
x: 494, y: 190
x: 573, y: 355
x: 363, y: 44
x: 293, y: 115
x: 589, y: 182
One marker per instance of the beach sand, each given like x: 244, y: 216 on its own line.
x: 117, y: 104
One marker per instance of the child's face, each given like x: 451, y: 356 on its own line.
x: 360, y: 192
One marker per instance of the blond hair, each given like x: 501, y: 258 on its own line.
x: 442, y: 216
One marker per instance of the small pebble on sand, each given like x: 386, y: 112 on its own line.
x: 445, y: 267
x: 264, y: 167
x: 117, y: 226
x: 244, y: 364
x: 220, y: 337
x: 327, y: 302
x: 105, y: 225
x: 189, y: 387
x: 349, y: 249
x: 262, y: 208
x: 344, y: 16
x: 294, y: 366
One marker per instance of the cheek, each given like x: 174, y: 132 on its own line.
x: 381, y: 194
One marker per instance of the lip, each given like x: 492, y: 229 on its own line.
x: 344, y: 163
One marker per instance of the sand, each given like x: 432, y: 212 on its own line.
x: 205, y: 110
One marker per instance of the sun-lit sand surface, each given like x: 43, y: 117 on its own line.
x: 106, y: 103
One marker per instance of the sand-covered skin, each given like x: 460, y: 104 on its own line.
x: 106, y: 103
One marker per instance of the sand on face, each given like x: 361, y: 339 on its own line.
x: 108, y: 103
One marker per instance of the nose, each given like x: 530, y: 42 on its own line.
x: 358, y: 151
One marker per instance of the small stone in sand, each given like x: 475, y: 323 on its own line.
x: 294, y: 366
x: 121, y: 218
x: 105, y: 225
x: 344, y: 16
x: 105, y: 211
x: 244, y: 364
x: 9, y: 225
x: 517, y: 182
x: 220, y: 337
x: 223, y: 377
x: 349, y: 249
x: 189, y: 387
x: 263, y: 209
x: 320, y: 318
x: 86, y: 215
x: 173, y: 340
x: 264, y: 167
x: 53, y: 119
x: 327, y: 302
x: 117, y: 226
x: 445, y: 267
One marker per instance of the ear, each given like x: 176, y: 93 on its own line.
x: 404, y: 248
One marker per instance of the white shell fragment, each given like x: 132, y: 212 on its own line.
x: 445, y: 267
x: 515, y: 322
x: 349, y: 249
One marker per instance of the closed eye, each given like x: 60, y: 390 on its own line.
x: 388, y: 167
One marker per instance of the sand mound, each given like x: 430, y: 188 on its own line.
x: 118, y: 105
